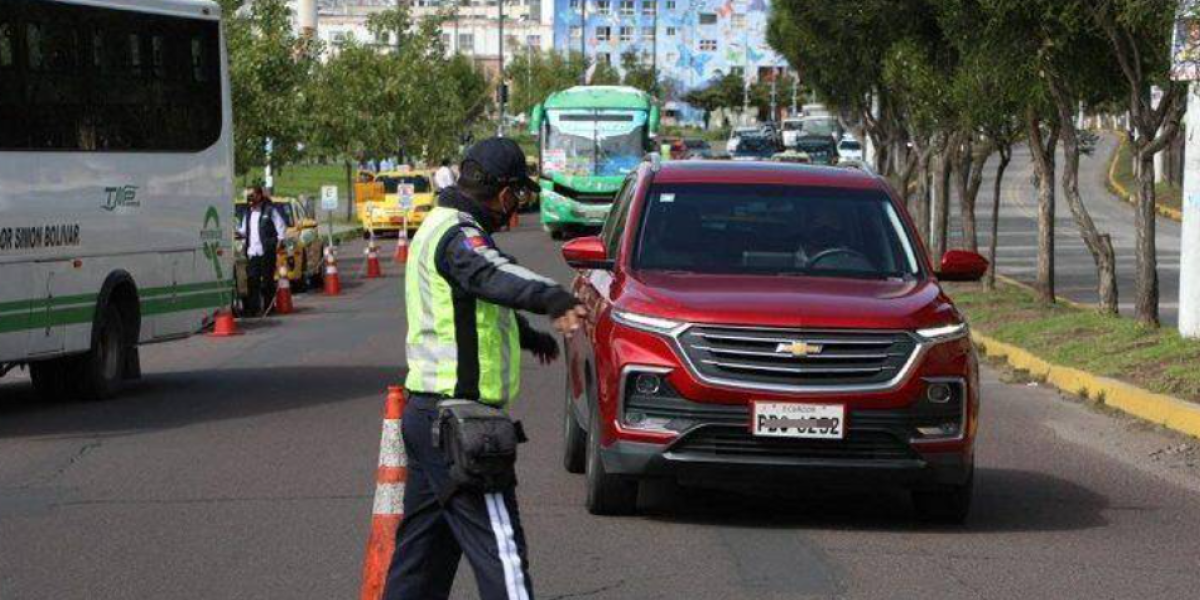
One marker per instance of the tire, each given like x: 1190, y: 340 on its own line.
x: 574, y: 437
x: 101, y: 372
x: 607, y: 494
x: 556, y: 233
x: 946, y: 506
x: 51, y: 378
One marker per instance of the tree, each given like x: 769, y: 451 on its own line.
x: 1138, y: 33
x: 638, y: 72
x: 270, y: 70
x: 536, y: 75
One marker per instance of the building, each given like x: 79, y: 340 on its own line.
x: 472, y: 27
x: 690, y: 42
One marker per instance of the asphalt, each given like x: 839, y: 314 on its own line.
x: 244, y: 468
x: 1075, y: 269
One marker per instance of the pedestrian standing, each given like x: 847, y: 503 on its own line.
x: 260, y: 229
x: 444, y: 177
x: 464, y: 342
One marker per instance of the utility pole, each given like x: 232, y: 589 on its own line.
x: 795, y: 93
x: 774, y: 87
x: 654, y: 49
x: 503, y: 87
x: 583, y: 41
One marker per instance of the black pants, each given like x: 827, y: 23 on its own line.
x: 260, y: 283
x: 433, y: 537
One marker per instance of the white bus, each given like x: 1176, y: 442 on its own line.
x: 116, y: 185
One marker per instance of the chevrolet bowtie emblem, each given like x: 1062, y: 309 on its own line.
x: 799, y: 349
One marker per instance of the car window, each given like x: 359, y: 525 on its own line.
x: 614, y: 226
x: 774, y: 230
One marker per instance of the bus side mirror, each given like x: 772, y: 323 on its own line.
x: 535, y: 119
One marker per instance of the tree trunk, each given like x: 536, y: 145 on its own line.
x: 349, y: 191
x: 1005, y: 157
x: 1098, y: 244
x: 1042, y: 148
x: 921, y: 204
x: 970, y: 179
x: 1146, y: 301
x: 941, y: 205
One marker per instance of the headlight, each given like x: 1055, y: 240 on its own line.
x: 646, y: 323
x: 944, y: 333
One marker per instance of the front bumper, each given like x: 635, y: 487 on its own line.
x: 558, y: 211
x: 645, y: 460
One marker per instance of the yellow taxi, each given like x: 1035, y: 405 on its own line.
x: 301, y: 247
x: 386, y: 215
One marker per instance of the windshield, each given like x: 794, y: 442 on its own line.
x: 821, y: 126
x: 584, y: 142
x: 774, y: 230
x: 791, y: 125
x: 391, y: 185
x: 851, y: 145
x: 754, y: 146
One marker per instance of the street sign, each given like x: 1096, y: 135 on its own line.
x: 406, y: 195
x: 329, y: 197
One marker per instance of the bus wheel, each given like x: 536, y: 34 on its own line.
x: 102, y: 369
x: 51, y: 378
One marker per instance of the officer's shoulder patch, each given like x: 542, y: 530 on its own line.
x: 474, y: 239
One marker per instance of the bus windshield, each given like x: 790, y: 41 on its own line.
x: 585, y: 142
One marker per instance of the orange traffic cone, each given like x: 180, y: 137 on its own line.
x: 514, y: 221
x: 225, y: 325
x: 283, y: 293
x: 389, y: 498
x: 401, y: 255
x: 333, y: 284
x: 373, y: 269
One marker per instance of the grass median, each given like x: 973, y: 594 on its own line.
x: 1158, y: 360
x: 1166, y: 193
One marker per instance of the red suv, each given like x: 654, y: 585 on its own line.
x: 768, y: 323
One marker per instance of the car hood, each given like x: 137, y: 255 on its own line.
x: 809, y: 302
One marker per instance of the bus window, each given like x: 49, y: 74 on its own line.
x: 84, y: 78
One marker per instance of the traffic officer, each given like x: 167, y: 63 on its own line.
x: 464, y: 341
x: 260, y: 229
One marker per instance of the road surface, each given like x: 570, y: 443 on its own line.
x: 1076, y: 271
x: 244, y: 468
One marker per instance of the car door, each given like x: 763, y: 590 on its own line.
x: 593, y: 287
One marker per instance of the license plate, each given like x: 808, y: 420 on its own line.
x: 795, y: 420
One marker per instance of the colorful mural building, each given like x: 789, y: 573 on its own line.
x: 690, y: 42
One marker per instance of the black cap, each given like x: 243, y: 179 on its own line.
x: 503, y: 160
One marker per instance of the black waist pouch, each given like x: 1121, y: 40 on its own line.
x: 480, y: 444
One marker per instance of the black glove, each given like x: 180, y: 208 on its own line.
x: 543, y: 346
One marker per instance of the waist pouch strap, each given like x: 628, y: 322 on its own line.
x: 480, y: 445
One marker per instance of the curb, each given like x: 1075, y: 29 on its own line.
x: 1122, y: 193
x: 1168, y: 411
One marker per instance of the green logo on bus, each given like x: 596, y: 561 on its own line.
x: 211, y: 236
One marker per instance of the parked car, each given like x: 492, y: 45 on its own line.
x: 756, y: 147
x: 735, y: 137
x: 696, y: 148
x: 820, y: 148
x: 791, y: 132
x: 849, y: 149
x: 301, y: 247
x: 754, y: 323
x: 386, y: 215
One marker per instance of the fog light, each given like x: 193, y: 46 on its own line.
x: 647, y: 384
x: 943, y: 430
x: 939, y: 393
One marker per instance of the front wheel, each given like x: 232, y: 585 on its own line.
x: 574, y: 437
x: 945, y: 506
x: 556, y: 233
x: 102, y: 369
x: 607, y: 494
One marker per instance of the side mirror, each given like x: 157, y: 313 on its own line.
x: 587, y: 253
x: 962, y: 265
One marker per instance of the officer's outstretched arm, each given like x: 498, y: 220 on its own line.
x: 467, y: 258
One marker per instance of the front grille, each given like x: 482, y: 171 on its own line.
x: 734, y: 442
x: 584, y: 197
x: 763, y: 357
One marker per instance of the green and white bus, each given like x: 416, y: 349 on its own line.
x: 116, y: 185
x: 589, y: 139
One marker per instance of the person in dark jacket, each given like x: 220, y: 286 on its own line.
x: 260, y: 230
